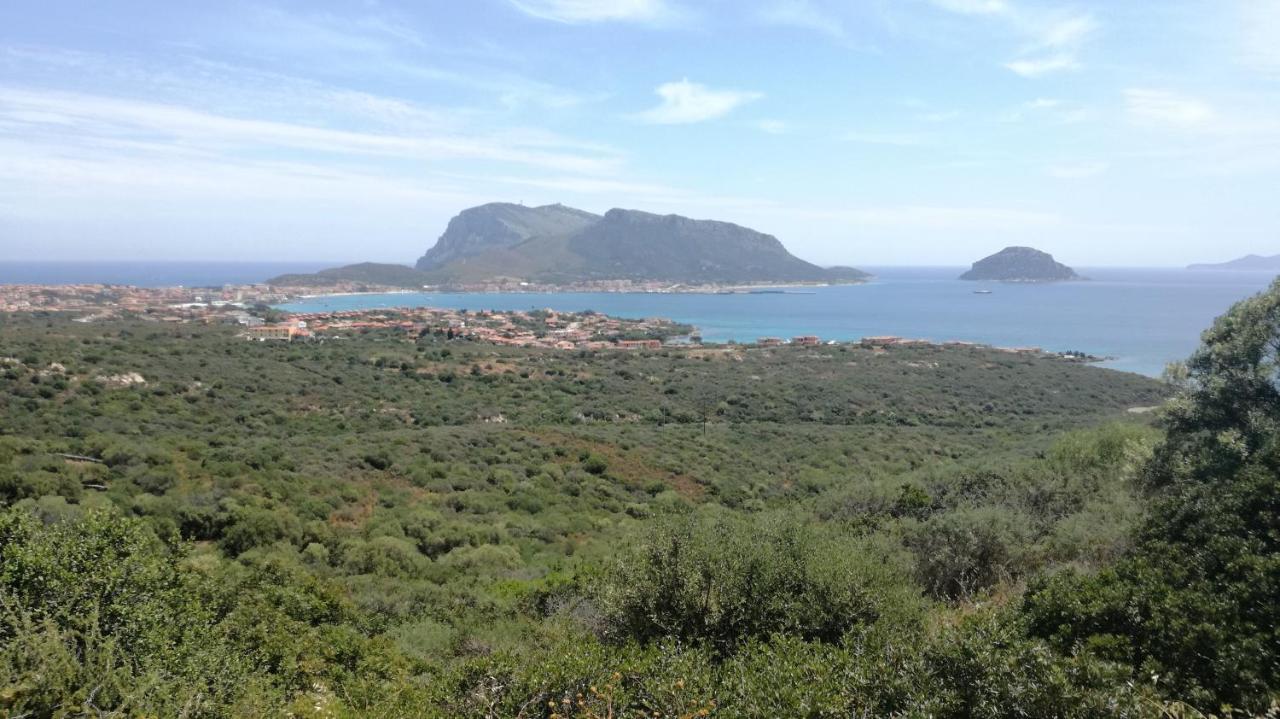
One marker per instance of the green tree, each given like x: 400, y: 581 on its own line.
x: 1195, y: 604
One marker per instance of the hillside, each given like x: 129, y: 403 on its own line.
x: 1020, y: 264
x: 560, y: 245
x: 498, y: 226
x: 390, y: 507
x: 402, y: 523
x: 1257, y: 263
x: 372, y: 273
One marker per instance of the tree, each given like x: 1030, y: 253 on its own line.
x: 1195, y: 604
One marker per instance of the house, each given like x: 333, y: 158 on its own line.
x: 880, y: 341
x: 769, y: 342
x: 286, y: 332
x: 807, y: 340
x: 640, y: 344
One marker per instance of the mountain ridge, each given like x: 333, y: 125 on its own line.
x: 558, y: 245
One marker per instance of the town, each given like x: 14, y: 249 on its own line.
x: 250, y: 307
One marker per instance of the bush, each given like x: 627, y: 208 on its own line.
x: 726, y: 579
x: 967, y: 551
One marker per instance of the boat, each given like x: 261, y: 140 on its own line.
x: 982, y: 292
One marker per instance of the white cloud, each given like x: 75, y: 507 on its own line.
x: 773, y: 127
x: 802, y: 14
x: 687, y: 102
x: 939, y: 116
x: 897, y: 139
x: 974, y: 7
x: 939, y: 218
x: 586, y: 11
x: 1166, y: 109
x: 1035, y: 67
x: 1050, y: 108
x: 1067, y: 31
x: 1051, y: 39
x: 1260, y: 30
x: 74, y: 121
x: 1054, y: 42
x: 1078, y: 170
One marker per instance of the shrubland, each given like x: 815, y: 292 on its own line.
x: 393, y: 526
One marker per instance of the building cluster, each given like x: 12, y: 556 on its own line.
x: 885, y: 341
x: 174, y: 304
x: 539, y: 328
x: 802, y: 340
x: 882, y: 342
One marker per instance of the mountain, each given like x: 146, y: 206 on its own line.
x: 555, y: 244
x: 500, y: 225
x: 559, y: 245
x: 1248, y: 262
x: 372, y: 273
x: 1020, y: 264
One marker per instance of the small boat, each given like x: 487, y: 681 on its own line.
x: 982, y: 292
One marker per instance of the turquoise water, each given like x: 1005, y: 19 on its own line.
x: 1142, y: 317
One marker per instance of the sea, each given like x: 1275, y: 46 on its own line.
x: 1141, y: 318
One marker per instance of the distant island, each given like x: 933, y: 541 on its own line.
x: 1248, y: 262
x: 554, y: 245
x: 1020, y: 264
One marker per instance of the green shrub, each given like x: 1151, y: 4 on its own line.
x: 725, y: 579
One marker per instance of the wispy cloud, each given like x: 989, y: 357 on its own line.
x: 974, y: 7
x: 1052, y: 108
x: 686, y: 102
x: 1051, y: 38
x: 1035, y: 67
x: 589, y: 11
x: 1166, y: 109
x: 72, y: 120
x: 940, y: 217
x: 1260, y: 35
x: 897, y: 139
x: 1077, y: 170
x: 802, y: 14
x: 773, y: 127
x: 1054, y: 44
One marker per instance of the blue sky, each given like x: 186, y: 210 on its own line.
x: 858, y: 132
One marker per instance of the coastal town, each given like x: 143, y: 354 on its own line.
x: 251, y: 310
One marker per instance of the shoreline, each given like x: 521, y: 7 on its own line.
x: 714, y: 289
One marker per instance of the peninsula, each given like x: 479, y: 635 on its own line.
x: 1255, y: 263
x: 510, y: 246
x: 1020, y: 264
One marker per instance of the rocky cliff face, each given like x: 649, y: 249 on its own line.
x: 1020, y: 264
x: 501, y: 225
x: 642, y: 245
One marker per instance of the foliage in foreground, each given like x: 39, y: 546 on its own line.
x: 414, y: 532
x: 1195, y: 603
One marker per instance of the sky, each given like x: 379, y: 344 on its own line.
x: 861, y: 132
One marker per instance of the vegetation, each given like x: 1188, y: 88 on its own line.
x: 196, y: 525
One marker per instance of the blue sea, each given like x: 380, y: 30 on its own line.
x: 1143, y: 318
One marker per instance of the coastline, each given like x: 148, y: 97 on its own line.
x: 613, y: 287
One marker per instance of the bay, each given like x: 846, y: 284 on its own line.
x: 1143, y: 318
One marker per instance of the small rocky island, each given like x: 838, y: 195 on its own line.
x: 1020, y: 264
